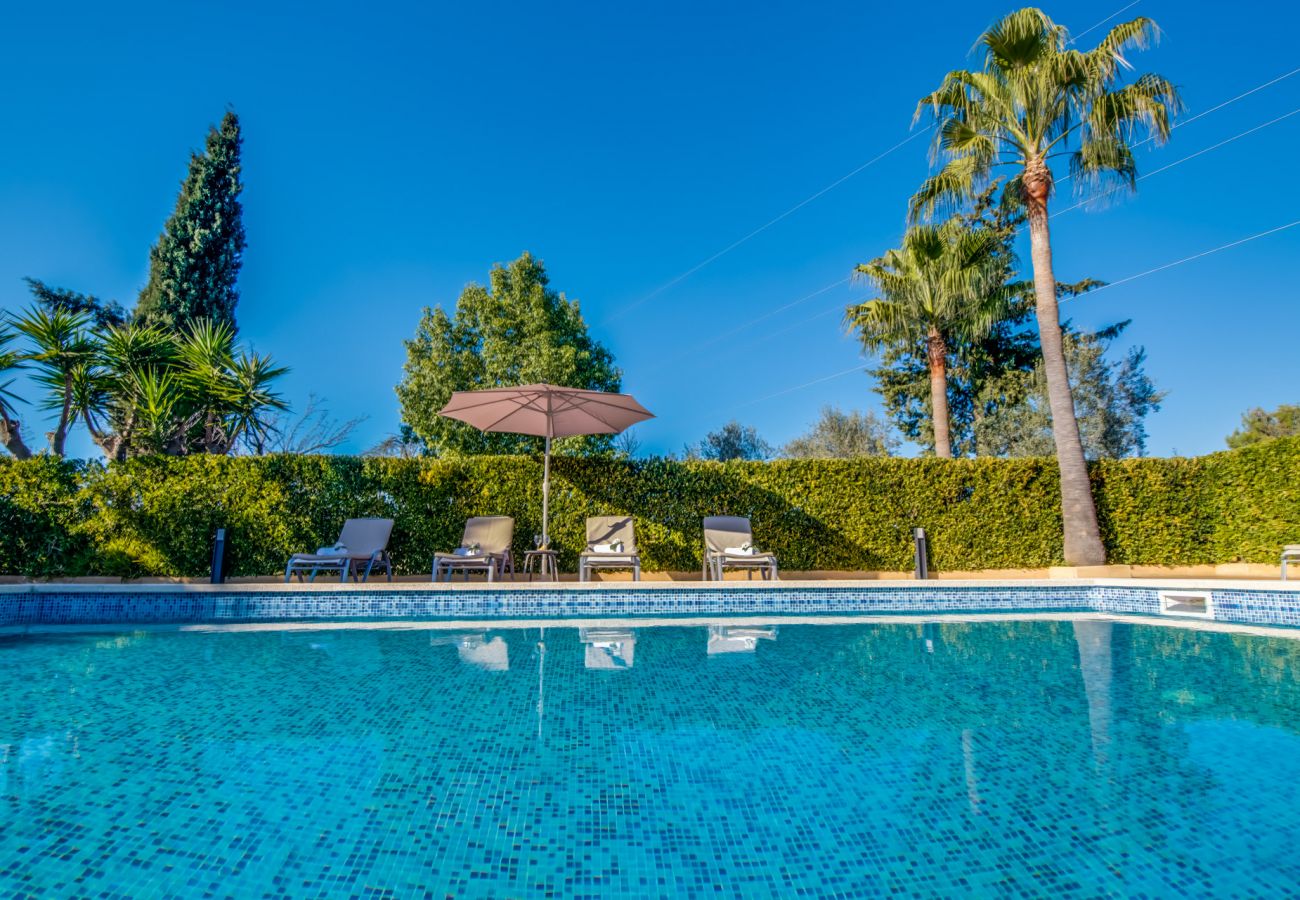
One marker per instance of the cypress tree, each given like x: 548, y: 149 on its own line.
x: 194, y: 266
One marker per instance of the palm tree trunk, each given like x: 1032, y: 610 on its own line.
x: 936, y: 350
x: 1083, y: 545
x: 11, y: 436
x: 59, y: 436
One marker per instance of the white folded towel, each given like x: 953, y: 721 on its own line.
x: 739, y: 551
x: 336, y: 550
x: 606, y: 548
x: 464, y: 551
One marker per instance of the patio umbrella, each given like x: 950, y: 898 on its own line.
x: 546, y: 411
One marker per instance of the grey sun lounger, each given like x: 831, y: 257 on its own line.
x: 603, y: 530
x: 1290, y: 554
x: 363, y: 545
x: 493, y: 535
x: 723, y: 538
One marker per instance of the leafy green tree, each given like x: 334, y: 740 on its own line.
x: 843, y: 435
x: 732, y: 441
x: 945, y: 283
x: 194, y: 266
x: 515, y: 331
x: 103, y: 313
x: 1111, y: 399
x: 1034, y: 99
x: 1258, y: 425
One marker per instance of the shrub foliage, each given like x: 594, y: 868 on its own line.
x: 157, y: 515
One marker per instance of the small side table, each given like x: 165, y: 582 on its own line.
x: 546, y: 564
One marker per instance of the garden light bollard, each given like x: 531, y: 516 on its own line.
x: 219, y: 557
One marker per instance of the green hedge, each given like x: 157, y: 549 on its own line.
x: 156, y: 516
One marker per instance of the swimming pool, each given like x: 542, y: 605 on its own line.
x: 730, y: 759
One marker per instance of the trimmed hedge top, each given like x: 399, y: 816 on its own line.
x: 157, y: 515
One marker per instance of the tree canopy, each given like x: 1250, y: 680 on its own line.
x: 945, y: 283
x: 1259, y: 425
x: 732, y: 441
x: 141, y: 389
x: 194, y: 266
x: 1111, y: 399
x: 843, y: 435
x: 514, y: 331
x: 103, y: 313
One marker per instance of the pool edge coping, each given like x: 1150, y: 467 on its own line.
x: 320, y: 587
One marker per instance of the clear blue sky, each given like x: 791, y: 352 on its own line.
x: 394, y: 151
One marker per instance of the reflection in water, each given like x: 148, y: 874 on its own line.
x: 985, y: 758
x: 1096, y: 667
x: 476, y: 650
x: 33, y: 766
x: 608, y: 648
x: 738, y: 639
x: 931, y: 634
x: 968, y: 762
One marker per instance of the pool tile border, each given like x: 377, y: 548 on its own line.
x: 30, y: 605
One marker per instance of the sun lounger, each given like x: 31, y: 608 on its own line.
x: 362, y: 545
x: 611, y: 544
x: 1290, y: 554
x: 608, y: 648
x: 484, y: 547
x: 728, y: 544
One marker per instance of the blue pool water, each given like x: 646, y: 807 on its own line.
x: 1007, y: 758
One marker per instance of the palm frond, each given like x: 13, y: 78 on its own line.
x: 10, y: 360
x: 1107, y: 58
x: 1147, y: 105
x: 945, y: 278
x: 1021, y: 39
x: 1036, y: 98
x: 950, y: 187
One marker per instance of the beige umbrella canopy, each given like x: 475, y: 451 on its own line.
x: 546, y: 411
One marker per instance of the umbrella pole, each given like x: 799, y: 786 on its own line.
x: 546, y: 493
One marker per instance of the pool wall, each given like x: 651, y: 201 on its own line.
x: 36, y: 604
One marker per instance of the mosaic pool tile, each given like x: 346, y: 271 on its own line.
x: 1074, y: 759
x: 1255, y: 606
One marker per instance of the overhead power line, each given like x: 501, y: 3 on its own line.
x: 800, y: 387
x: 760, y: 229
x: 1193, y: 257
x: 1102, y: 22
x: 755, y: 320
x: 1178, y: 162
x: 673, y: 282
x: 678, y: 279
x: 1113, y: 284
x: 1218, y: 106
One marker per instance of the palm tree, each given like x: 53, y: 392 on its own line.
x: 1036, y: 100
x: 123, y: 387
x: 252, y: 401
x: 945, y: 282
x: 62, y: 348
x: 10, y: 428
x: 229, y: 389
